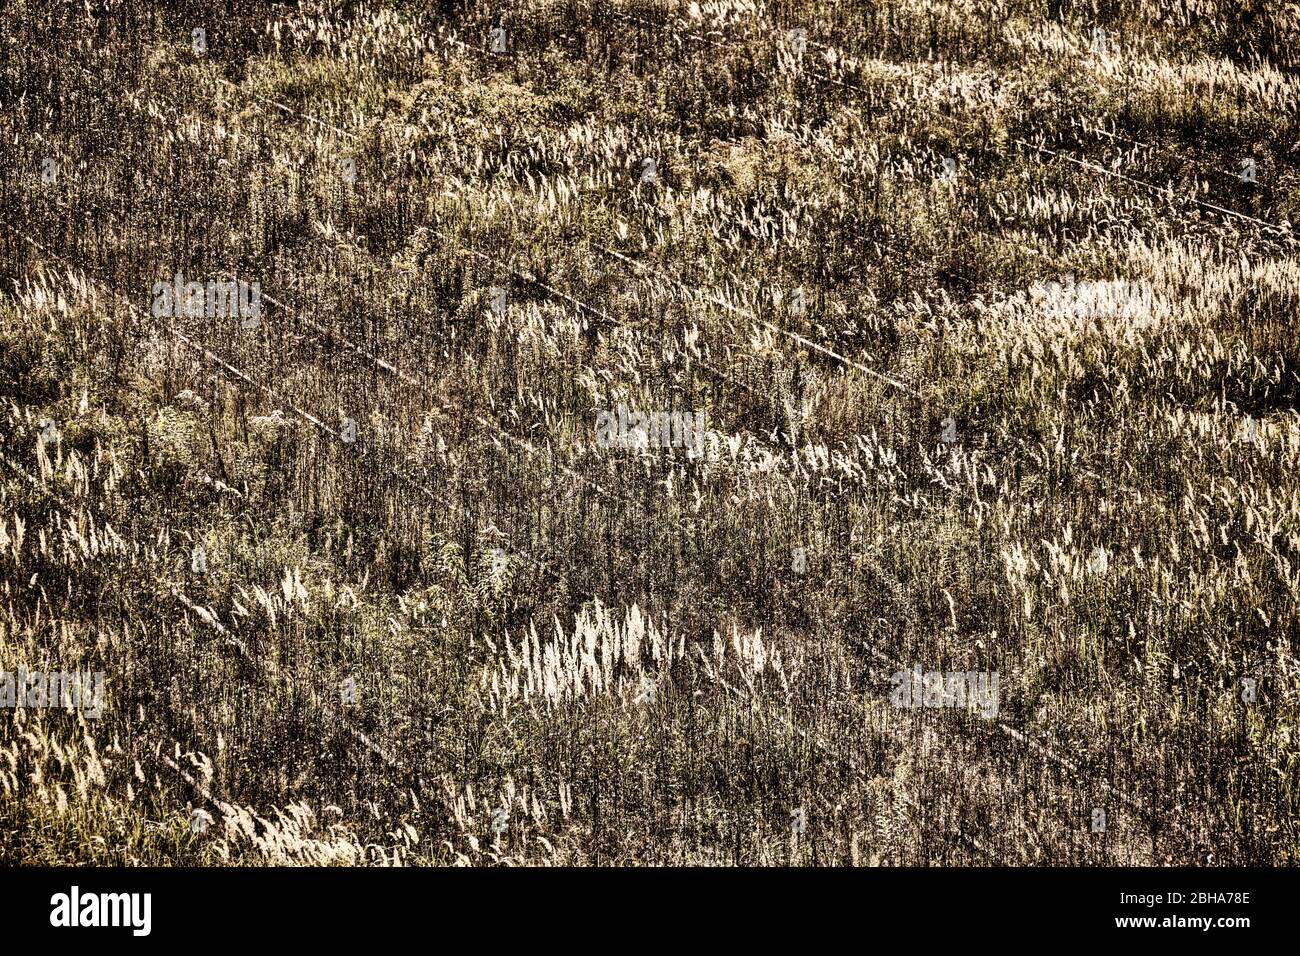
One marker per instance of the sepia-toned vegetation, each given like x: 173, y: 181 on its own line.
x: 989, y: 307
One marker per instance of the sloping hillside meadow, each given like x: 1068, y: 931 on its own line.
x: 630, y: 408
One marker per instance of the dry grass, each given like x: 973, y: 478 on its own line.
x: 473, y: 637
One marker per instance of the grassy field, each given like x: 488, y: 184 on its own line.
x: 965, y: 333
